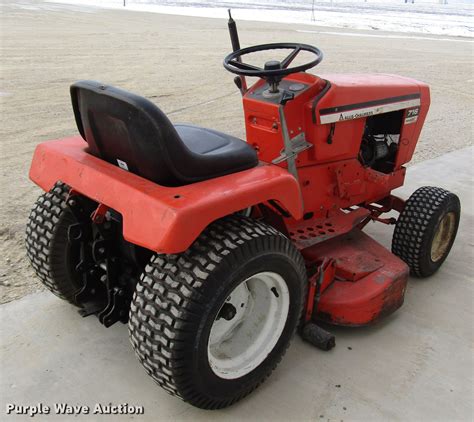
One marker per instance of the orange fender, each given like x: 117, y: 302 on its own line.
x: 163, y: 219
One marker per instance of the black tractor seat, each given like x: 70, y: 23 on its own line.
x: 129, y: 131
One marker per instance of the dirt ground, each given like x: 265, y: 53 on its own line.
x: 176, y: 62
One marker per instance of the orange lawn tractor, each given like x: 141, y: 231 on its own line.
x: 215, y: 250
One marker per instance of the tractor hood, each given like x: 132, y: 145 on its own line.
x: 359, y: 95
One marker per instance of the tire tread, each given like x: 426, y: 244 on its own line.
x: 169, y: 297
x: 46, y: 241
x: 414, y: 225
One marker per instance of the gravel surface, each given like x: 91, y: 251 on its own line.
x: 176, y: 61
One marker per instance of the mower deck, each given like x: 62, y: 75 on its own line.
x: 368, y: 282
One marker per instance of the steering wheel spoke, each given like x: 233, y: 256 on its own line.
x: 244, y: 66
x: 288, y: 59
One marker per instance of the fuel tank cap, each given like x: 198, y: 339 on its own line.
x: 297, y: 87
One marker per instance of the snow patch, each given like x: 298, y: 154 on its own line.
x: 422, y: 17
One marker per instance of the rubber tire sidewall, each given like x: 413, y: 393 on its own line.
x: 54, y: 259
x: 207, y: 380
x: 64, y: 261
x: 416, y: 227
x: 426, y: 265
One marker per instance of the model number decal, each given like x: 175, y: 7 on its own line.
x: 412, y: 115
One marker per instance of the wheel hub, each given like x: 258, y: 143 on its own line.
x: 443, y: 235
x: 227, y: 312
x: 248, y: 325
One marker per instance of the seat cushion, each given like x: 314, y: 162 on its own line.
x: 130, y: 131
x: 215, y: 153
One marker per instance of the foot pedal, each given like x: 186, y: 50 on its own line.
x: 318, y: 337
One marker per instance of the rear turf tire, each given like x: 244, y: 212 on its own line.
x: 51, y: 255
x: 426, y: 229
x: 182, y: 297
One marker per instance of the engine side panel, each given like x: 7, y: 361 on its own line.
x: 353, y: 98
x: 333, y: 119
x: 337, y: 113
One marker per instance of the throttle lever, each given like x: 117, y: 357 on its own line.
x: 286, y: 96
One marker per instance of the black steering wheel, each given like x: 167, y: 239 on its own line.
x: 274, y: 70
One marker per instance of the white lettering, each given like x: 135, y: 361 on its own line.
x: 31, y: 411
x: 121, y: 409
x: 67, y: 409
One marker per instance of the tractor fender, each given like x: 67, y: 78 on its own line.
x: 159, y: 218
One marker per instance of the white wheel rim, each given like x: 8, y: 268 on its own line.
x: 248, y: 325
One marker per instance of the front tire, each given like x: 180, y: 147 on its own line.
x: 426, y: 229
x: 203, y: 322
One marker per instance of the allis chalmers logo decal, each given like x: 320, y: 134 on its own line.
x: 352, y: 116
x: 371, y: 108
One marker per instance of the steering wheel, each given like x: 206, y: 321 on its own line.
x: 273, y: 70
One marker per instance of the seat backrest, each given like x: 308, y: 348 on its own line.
x: 127, y: 130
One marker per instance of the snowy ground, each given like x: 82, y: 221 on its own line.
x: 422, y: 17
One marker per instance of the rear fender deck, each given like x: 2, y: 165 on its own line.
x: 162, y: 219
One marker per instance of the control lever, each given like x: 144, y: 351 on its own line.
x: 291, y: 146
x: 286, y: 138
x: 286, y: 96
x: 238, y: 83
x: 234, y: 39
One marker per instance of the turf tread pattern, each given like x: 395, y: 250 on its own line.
x: 413, y: 225
x: 46, y: 241
x: 169, y: 298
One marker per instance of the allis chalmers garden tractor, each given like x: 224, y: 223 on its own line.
x: 215, y: 250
